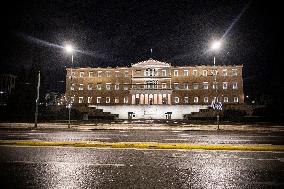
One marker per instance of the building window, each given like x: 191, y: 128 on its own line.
x: 150, y: 72
x: 107, y: 99
x: 224, y: 72
x: 72, y: 99
x: 186, y: 100
x: 90, y: 86
x: 80, y: 99
x: 81, y: 87
x: 215, y: 85
x: 108, y: 74
x: 152, y: 84
x: 205, y: 73
x: 99, y: 86
x: 164, y: 73
x: 125, y: 86
x: 164, y: 85
x: 205, y: 85
x: 236, y: 99
x: 185, y: 86
x: 175, y: 72
x: 116, y: 73
x: 72, y: 74
x: 91, y: 74
x: 116, y: 100
x: 235, y: 85
x: 90, y: 99
x: 99, y: 73
x: 176, y: 86
x: 81, y: 74
x: 99, y: 100
x: 136, y: 85
x: 234, y: 72
x: 205, y: 99
x: 194, y: 72
x: 116, y: 87
x: 195, y: 86
x: 72, y: 87
x: 195, y: 100
x: 226, y: 99
x: 126, y: 74
x: 225, y: 85
x: 185, y: 72
x: 214, y: 72
x: 108, y: 86
x: 125, y: 100
x: 176, y: 100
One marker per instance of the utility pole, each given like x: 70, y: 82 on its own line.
x: 37, y: 99
x: 216, y: 45
x: 216, y: 89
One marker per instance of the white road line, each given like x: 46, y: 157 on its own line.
x: 68, y: 163
x: 176, y: 139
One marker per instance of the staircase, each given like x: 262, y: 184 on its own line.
x: 94, y: 113
x: 208, y: 113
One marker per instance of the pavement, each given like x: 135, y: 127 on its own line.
x: 147, y: 126
x: 84, y: 157
x: 69, y: 167
x: 146, y: 139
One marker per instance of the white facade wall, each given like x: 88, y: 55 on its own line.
x: 151, y: 111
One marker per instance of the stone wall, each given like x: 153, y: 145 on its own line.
x: 151, y: 111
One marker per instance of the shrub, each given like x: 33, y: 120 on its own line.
x: 234, y: 115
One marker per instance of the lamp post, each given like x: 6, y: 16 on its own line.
x: 69, y: 49
x: 216, y: 45
x: 37, y: 99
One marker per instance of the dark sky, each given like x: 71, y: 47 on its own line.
x: 118, y: 33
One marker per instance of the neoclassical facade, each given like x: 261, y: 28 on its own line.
x: 155, y: 83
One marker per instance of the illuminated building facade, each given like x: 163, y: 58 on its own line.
x: 152, y: 87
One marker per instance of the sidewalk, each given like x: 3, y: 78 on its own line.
x: 143, y: 126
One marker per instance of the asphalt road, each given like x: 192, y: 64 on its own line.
x: 162, y: 136
x: 64, y: 167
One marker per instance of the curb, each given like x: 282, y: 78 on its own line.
x: 141, y: 145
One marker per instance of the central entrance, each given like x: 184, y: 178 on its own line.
x: 151, y: 99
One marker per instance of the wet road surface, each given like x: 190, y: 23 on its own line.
x: 64, y: 167
x: 162, y: 136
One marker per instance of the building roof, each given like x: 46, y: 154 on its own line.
x: 151, y: 63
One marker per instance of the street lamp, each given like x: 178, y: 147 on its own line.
x: 215, y: 46
x: 70, y: 50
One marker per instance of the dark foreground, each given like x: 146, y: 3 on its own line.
x: 62, y: 167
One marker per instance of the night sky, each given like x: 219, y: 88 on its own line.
x: 118, y: 33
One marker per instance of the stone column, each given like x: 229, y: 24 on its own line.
x: 155, y: 99
x: 133, y: 99
x: 160, y: 99
x: 141, y: 99
x: 146, y: 99
x: 169, y: 99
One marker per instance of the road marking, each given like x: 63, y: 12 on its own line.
x: 144, y: 145
x: 68, y: 163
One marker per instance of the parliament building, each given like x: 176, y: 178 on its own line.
x: 153, y: 89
